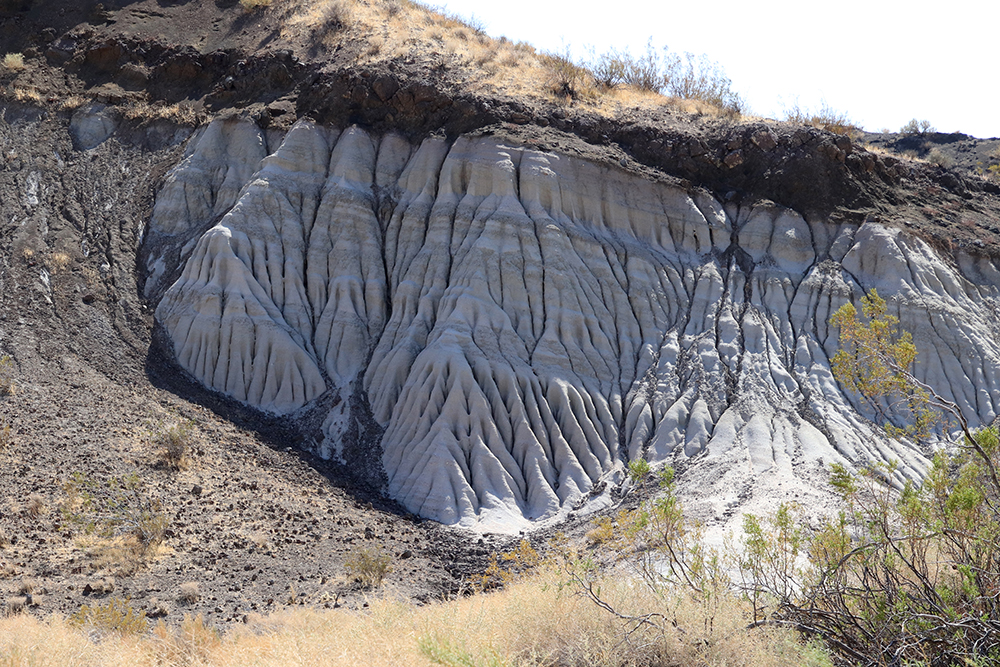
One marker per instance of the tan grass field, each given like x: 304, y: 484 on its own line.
x: 533, y: 622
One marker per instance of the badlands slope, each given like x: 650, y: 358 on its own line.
x: 501, y: 328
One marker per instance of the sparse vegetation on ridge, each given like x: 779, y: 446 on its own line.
x: 404, y: 29
x: 824, y: 118
x: 915, y: 126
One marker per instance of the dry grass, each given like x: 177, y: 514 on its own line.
x: 122, y: 555
x: 35, y: 507
x: 824, y: 118
x: 24, y: 95
x: 534, y: 622
x: 72, y: 102
x: 369, y: 566
x: 13, y: 62
x: 182, y: 114
x: 173, y: 444
x: 188, y: 592
x: 6, y: 434
x: 254, y: 5
x: 58, y: 261
x: 7, y: 385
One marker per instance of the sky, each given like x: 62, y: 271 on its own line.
x: 881, y: 63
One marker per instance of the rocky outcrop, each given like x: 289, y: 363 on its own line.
x: 515, y: 323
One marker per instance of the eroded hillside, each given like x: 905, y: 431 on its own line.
x: 507, y: 326
x: 478, y: 302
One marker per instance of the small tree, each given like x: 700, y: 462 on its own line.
x: 875, y: 361
x: 909, y: 577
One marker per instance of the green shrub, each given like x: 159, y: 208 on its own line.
x: 915, y: 126
x: 904, y: 576
x: 638, y: 470
x: 453, y: 654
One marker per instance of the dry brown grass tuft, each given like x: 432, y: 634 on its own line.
x: 7, y: 385
x: 13, y: 62
x: 188, y: 592
x: 25, y: 95
x: 35, y: 507
x: 6, y: 435
x: 254, y: 5
x: 182, y: 114
x: 173, y: 443
x: 369, y: 566
x: 27, y: 586
x: 72, y: 102
x: 58, y: 262
x: 193, y: 643
x: 122, y: 555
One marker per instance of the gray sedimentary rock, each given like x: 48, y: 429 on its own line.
x: 521, y: 323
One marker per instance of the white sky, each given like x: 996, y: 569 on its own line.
x: 882, y: 63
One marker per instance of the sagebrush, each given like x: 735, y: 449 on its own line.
x: 174, y: 443
x: 117, y: 510
x: 369, y: 566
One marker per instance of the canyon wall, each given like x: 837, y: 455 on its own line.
x: 506, y: 326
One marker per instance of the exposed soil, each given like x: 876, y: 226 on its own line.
x: 256, y: 524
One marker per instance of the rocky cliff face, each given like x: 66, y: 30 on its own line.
x: 506, y: 326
